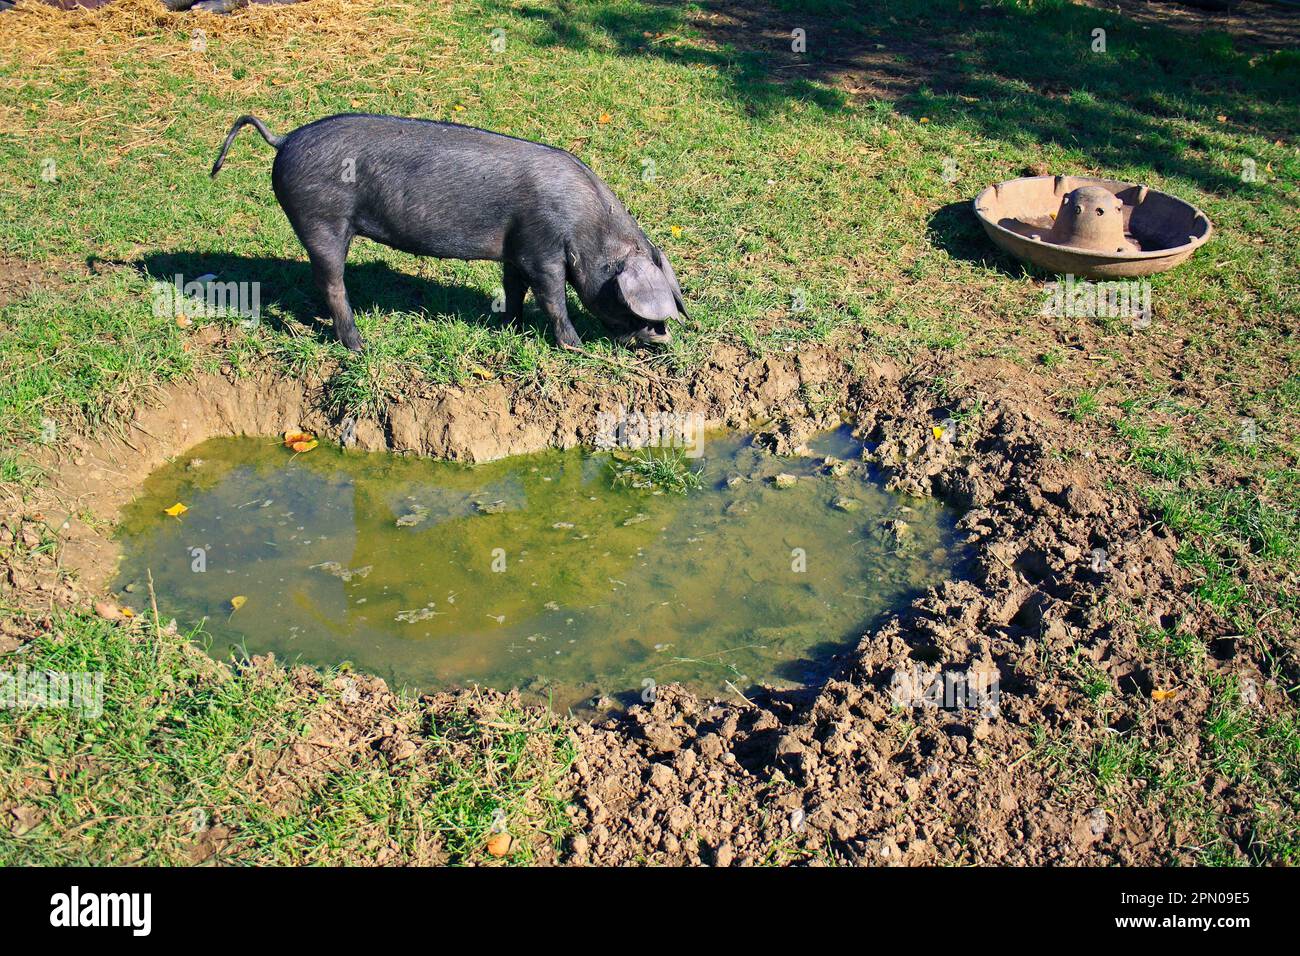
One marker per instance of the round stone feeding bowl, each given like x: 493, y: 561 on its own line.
x: 1092, y: 228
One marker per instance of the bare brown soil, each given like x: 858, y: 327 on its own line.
x: 20, y: 278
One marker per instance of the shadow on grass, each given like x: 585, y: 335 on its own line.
x: 956, y: 230
x: 287, y: 287
x: 1025, y: 75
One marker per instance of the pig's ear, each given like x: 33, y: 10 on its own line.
x: 645, y: 290
x: 666, y: 268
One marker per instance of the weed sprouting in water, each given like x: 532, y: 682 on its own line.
x: 665, y: 470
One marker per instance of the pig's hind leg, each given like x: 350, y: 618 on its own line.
x: 328, y: 251
x: 514, y: 281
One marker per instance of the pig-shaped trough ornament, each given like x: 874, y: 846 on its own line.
x: 456, y: 192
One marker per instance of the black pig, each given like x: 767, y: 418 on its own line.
x: 456, y: 192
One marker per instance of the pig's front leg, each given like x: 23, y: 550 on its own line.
x: 548, y: 289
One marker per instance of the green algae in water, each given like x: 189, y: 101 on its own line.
x: 535, y: 572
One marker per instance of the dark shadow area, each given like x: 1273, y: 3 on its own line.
x: 955, y: 229
x: 287, y: 287
x: 1026, y: 75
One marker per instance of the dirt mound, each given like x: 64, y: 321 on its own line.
x: 847, y: 770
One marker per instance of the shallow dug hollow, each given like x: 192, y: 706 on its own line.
x: 841, y: 770
x: 563, y: 574
x: 484, y: 423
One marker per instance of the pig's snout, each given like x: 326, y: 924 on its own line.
x: 654, y: 333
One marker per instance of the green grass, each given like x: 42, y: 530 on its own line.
x: 1262, y: 752
x: 1266, y: 522
x: 667, y: 470
x: 791, y: 211
x: 1085, y: 405
x: 1173, y: 643
x: 184, y: 744
x: 1155, y: 452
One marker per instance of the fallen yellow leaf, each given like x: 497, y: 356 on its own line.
x: 499, y: 844
x: 237, y: 602
x: 605, y: 117
x: 1158, y: 695
x: 176, y: 510
x: 925, y: 119
x: 301, y: 446
x: 127, y: 612
x: 293, y: 435
x: 936, y: 431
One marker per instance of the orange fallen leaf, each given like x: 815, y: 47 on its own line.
x: 176, y: 510
x: 925, y: 119
x: 183, y: 321
x: 1159, y: 695
x: 499, y: 844
x: 127, y: 612
x: 293, y: 435
x: 301, y: 446
x: 605, y: 118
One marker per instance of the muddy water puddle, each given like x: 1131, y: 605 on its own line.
x: 540, y: 572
